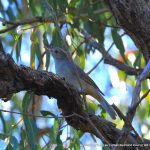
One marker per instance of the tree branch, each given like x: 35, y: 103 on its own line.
x: 14, y: 78
x: 133, y: 16
x: 108, y: 58
x: 62, y: 19
x: 135, y: 101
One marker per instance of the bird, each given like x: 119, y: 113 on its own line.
x: 76, y: 77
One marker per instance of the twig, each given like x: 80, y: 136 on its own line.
x: 32, y: 115
x: 126, y: 120
x: 137, y: 89
x: 137, y: 104
x: 78, y: 47
x: 135, y: 99
x: 24, y: 22
x: 8, y: 29
x: 108, y: 58
x: 101, y: 59
x: 93, y: 126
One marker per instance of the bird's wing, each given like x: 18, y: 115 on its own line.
x: 87, y: 79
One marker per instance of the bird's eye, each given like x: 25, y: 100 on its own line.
x: 56, y: 51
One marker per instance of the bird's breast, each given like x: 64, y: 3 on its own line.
x: 67, y: 71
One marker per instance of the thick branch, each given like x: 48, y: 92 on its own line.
x: 14, y: 78
x: 134, y: 17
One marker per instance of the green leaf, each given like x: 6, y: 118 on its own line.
x: 14, y: 142
x: 118, y: 42
x: 32, y: 56
x: 55, y: 126
x: 59, y: 142
x: 137, y: 62
x: 48, y: 113
x: 27, y: 101
x: 45, y: 41
x: 3, y: 136
x: 15, y: 36
x: 93, y: 137
x: 106, y: 147
x: 10, y: 13
x: 18, y: 47
x: 73, y: 3
x: 47, y: 59
x: 76, y: 140
x: 35, y: 48
x: 23, y: 139
x: 30, y: 125
x: 33, y: 8
x: 92, y: 107
x: 56, y: 39
x: 9, y: 147
x: 76, y: 146
x: 38, y: 53
x: 103, y: 113
x: 81, y: 54
x: 54, y: 131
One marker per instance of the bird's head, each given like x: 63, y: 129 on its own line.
x: 57, y: 52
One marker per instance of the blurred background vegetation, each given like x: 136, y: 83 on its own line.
x: 26, y: 25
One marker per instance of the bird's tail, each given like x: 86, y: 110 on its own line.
x: 97, y: 95
x: 108, y: 108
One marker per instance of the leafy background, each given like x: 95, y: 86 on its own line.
x: 45, y: 128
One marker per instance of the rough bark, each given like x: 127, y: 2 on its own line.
x: 14, y: 78
x: 134, y: 17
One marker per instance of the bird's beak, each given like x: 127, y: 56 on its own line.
x: 48, y: 48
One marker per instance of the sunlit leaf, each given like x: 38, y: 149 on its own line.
x: 118, y: 42
x: 137, y: 62
x: 35, y: 49
x: 32, y: 56
x: 76, y: 140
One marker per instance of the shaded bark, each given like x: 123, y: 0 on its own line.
x: 134, y: 17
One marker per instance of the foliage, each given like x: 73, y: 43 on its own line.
x: 65, y: 20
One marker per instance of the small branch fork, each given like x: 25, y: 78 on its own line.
x: 136, y: 100
x: 108, y: 58
x: 14, y: 25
